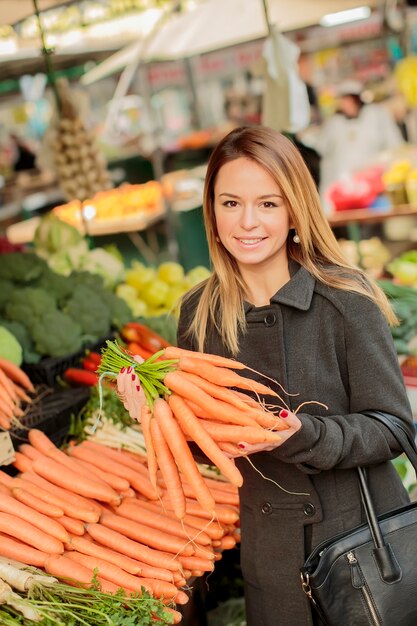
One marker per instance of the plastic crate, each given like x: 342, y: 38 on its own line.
x: 47, y: 370
x: 52, y: 415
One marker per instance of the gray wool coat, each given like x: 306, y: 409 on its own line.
x: 322, y: 345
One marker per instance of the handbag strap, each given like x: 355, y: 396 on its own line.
x: 406, y: 438
x: 408, y: 445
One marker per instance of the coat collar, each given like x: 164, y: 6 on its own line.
x: 297, y: 293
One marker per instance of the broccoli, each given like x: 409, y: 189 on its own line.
x: 93, y: 281
x: 22, y: 335
x: 60, y: 287
x: 90, y: 311
x: 119, y: 309
x: 28, y: 304
x: 21, y: 267
x: 56, y: 334
x: 6, y: 290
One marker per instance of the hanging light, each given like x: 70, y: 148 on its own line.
x: 344, y: 17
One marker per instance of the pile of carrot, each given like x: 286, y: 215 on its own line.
x: 93, y: 507
x: 15, y: 387
x: 199, y: 397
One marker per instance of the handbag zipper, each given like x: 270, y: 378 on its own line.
x: 359, y: 583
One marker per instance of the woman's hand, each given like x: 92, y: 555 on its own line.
x: 130, y: 390
x: 294, y: 426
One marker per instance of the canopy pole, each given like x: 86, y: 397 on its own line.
x: 267, y: 19
x: 47, y: 52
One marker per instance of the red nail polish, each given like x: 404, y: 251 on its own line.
x: 283, y: 413
x: 122, y: 370
x: 241, y: 446
x: 137, y: 387
x: 133, y: 376
x: 129, y: 369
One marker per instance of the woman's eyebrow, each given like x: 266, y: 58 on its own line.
x: 267, y: 195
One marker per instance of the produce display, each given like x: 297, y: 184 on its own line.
x: 54, y: 315
x: 65, y: 249
x: 152, y: 291
x: 370, y: 254
x: 123, y: 202
x: 79, y: 165
x: 16, y: 389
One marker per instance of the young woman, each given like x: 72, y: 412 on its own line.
x: 283, y: 300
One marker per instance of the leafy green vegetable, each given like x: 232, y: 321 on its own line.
x: 54, y: 235
x: 88, y: 309
x: 63, y: 605
x: 28, y: 304
x: 119, y: 309
x: 111, y: 409
x: 23, y: 337
x: 10, y: 348
x: 404, y: 302
x: 56, y: 334
x: 21, y: 267
x: 6, y: 290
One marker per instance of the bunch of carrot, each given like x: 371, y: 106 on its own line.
x: 14, y: 389
x: 93, y: 507
x: 200, y: 397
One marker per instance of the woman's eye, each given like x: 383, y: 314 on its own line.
x: 230, y: 203
x: 269, y: 205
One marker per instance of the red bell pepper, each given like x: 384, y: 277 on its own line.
x: 141, y: 334
x: 80, y: 377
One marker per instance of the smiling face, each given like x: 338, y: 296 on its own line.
x: 252, y: 218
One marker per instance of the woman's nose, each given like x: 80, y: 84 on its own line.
x: 249, y: 217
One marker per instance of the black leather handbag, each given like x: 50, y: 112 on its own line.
x: 367, y: 576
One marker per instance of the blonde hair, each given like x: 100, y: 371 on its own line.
x: 222, y: 296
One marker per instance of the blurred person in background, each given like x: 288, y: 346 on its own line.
x: 354, y: 136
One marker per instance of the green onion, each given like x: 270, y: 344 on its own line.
x: 151, y: 372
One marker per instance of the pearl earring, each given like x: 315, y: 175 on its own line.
x: 296, y: 238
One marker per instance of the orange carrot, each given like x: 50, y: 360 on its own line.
x: 31, y: 452
x: 193, y: 427
x: 22, y: 462
x: 175, y: 439
x: 196, y: 562
x: 94, y: 549
x: 229, y: 448
x: 146, y: 417
x: 40, y: 441
x: 28, y: 533
x: 145, y: 534
x: 234, y: 434
x: 21, y: 394
x: 222, y: 376
x: 223, y: 513
x: 19, y: 551
x: 227, y: 542
x: 134, y: 511
x: 75, y: 574
x: 9, y: 504
x: 173, y: 352
x: 139, y: 481
x: 6, y: 479
x: 212, y: 407
x: 72, y: 504
x: 116, y: 541
x: 60, y: 475
x: 116, y: 482
x: 121, y: 578
x: 73, y: 526
x: 168, y: 469
x: 7, y: 385
x: 16, y: 374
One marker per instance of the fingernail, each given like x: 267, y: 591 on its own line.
x: 122, y: 370
x: 137, y: 387
x: 133, y: 376
x: 283, y: 413
x: 241, y: 446
x: 129, y: 369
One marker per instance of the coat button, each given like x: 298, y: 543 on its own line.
x: 266, y: 508
x: 309, y: 509
x: 270, y: 319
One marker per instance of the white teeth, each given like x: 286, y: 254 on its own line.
x: 250, y: 241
